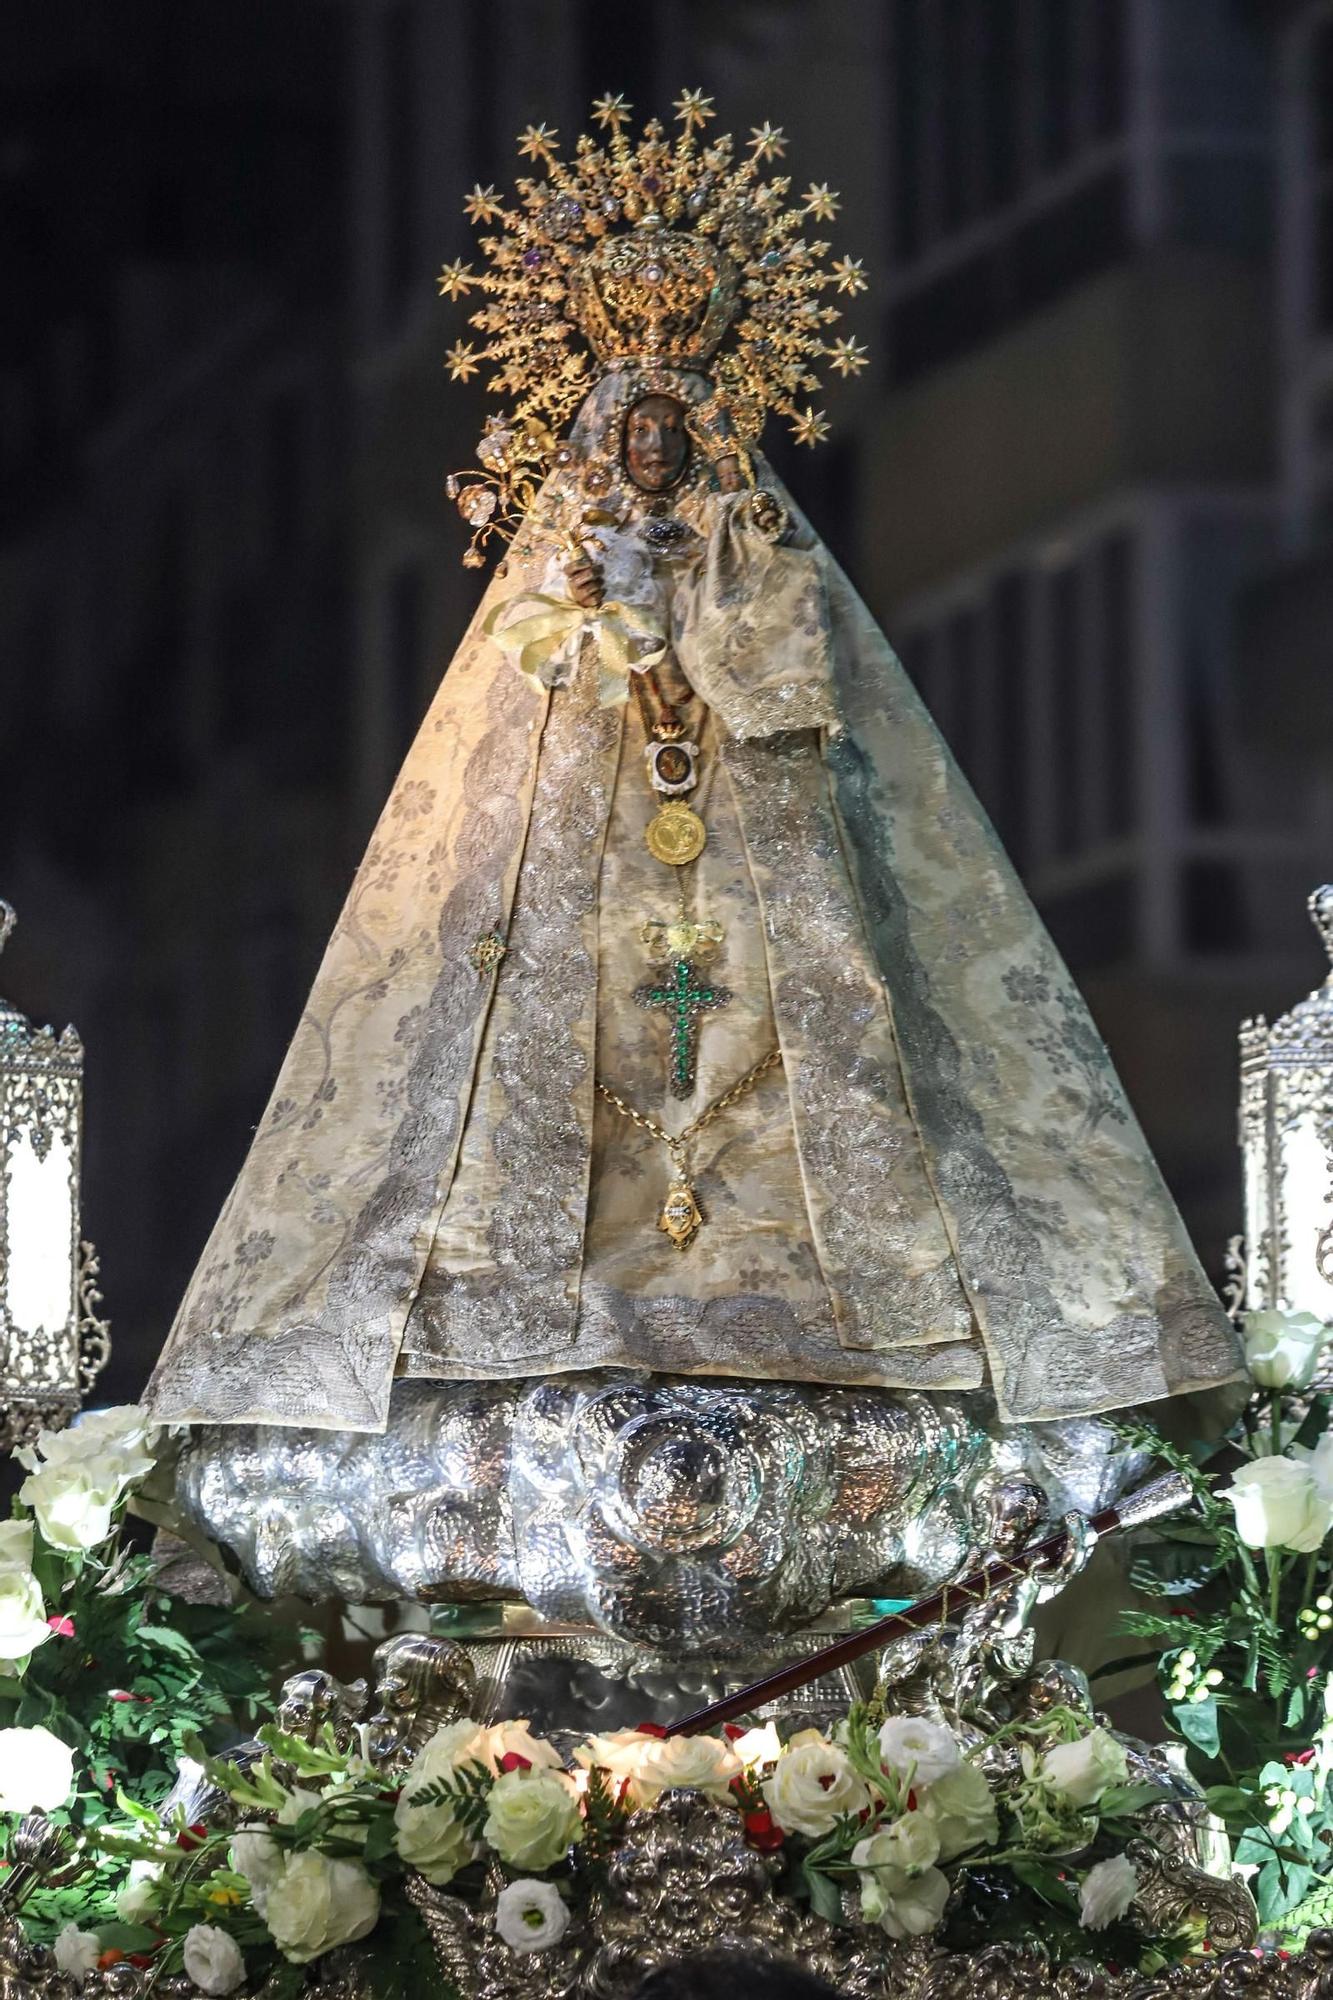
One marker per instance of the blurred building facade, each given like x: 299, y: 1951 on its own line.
x: 1083, y: 492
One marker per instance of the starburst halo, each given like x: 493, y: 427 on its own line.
x: 539, y: 243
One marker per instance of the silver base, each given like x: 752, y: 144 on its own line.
x: 686, y: 1517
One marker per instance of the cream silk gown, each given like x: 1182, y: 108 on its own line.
x: 941, y: 1187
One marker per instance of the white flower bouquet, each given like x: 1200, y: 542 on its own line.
x: 1242, y: 1625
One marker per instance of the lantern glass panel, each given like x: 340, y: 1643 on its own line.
x: 42, y: 1276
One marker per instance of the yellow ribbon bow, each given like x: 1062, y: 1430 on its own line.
x: 536, y: 630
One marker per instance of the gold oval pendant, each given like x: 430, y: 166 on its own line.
x: 681, y: 1216
x: 677, y: 834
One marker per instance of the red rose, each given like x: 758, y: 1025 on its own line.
x: 760, y: 1830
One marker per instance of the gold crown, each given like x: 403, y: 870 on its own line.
x: 675, y: 251
x: 657, y: 294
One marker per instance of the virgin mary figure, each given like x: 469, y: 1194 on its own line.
x: 685, y: 1019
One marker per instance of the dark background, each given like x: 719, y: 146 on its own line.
x: 1087, y: 485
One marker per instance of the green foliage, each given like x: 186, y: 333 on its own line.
x: 1246, y: 1671
x: 129, y: 1689
x: 605, y: 1813
x: 467, y: 1792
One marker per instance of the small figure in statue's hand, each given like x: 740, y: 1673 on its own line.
x: 587, y: 587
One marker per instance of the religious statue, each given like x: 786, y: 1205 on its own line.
x: 695, y: 1164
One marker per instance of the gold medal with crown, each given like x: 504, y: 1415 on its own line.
x: 672, y: 253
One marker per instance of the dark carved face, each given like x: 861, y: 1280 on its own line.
x: 657, y: 445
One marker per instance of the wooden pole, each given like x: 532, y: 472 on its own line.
x: 1161, y: 1496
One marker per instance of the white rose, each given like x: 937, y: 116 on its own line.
x: 213, y: 1959
x: 318, y: 1902
x: 688, y: 1763
x: 123, y: 1438
x: 454, y: 1743
x: 917, y: 1750
x: 515, y: 1739
x: 36, y: 1770
x: 1282, y: 1349
x: 908, y: 1845
x: 758, y: 1747
x: 77, y: 1953
x: 429, y: 1837
x: 15, y: 1544
x: 617, y: 1752
x: 23, y: 1625
x: 137, y: 1897
x: 73, y: 1503
x: 1108, y: 1890
x: 533, y: 1818
x: 961, y: 1807
x: 1081, y: 1771
x: 257, y: 1855
x: 813, y: 1786
x: 1319, y: 1464
x: 904, y: 1905
x: 531, y: 1916
x: 1278, y: 1505
x: 433, y: 1840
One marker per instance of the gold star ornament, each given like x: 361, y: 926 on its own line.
x: 821, y: 203
x: 461, y: 361
x: 483, y: 204
x: 537, y: 142
x: 768, y: 141
x: 809, y: 426
x: 456, y: 278
x: 693, y: 109
x: 849, y: 357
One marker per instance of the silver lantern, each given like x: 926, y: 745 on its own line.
x: 52, y: 1344
x: 1286, y: 1138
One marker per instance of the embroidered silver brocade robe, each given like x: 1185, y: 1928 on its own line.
x: 942, y: 1187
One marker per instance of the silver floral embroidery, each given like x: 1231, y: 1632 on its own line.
x: 882, y: 1242
x: 526, y: 1304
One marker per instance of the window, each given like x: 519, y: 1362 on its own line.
x: 1010, y: 625
x: 965, y: 691
x: 1055, y: 82
x: 284, y: 471
x: 402, y: 265
x: 974, y: 667
x: 1093, y: 927
x: 1001, y: 107
x: 619, y: 53
x: 1119, y: 703
x: 906, y: 60
x: 404, y: 646
x: 1069, y: 778
x: 1214, y: 908
x: 1063, y: 245
x: 1107, y: 65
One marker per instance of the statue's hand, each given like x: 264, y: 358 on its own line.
x: 1075, y: 1556
x: 586, y: 586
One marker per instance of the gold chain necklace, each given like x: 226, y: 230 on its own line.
x: 682, y: 1217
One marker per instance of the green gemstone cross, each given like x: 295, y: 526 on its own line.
x: 685, y: 999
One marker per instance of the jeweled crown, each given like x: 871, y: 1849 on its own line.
x: 655, y: 294
x: 668, y: 250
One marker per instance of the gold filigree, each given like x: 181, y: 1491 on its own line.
x: 677, y: 251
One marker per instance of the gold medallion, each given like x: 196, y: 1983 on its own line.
x: 681, y: 1217
x: 677, y: 834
